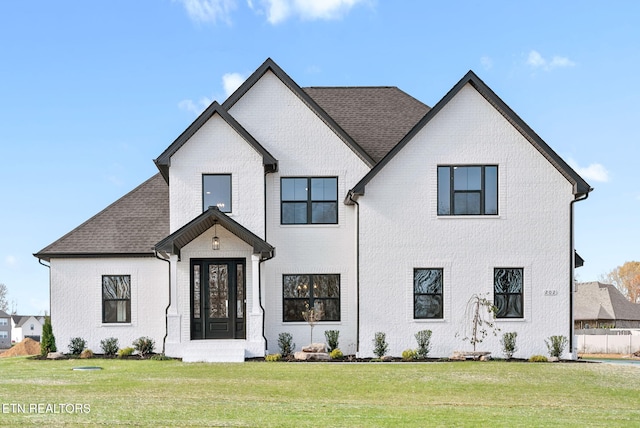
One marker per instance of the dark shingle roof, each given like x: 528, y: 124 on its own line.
x: 375, y: 117
x: 598, y: 301
x: 130, y: 226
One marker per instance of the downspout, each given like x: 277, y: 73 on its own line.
x: 264, y: 189
x: 572, y: 259
x: 350, y: 196
x: 166, y: 311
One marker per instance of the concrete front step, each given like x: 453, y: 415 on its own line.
x: 213, y: 351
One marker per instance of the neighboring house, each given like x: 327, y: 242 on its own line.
x: 599, y: 305
x: 360, y: 201
x: 5, y: 330
x: 26, y: 326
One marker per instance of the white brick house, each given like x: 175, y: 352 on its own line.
x: 392, y: 212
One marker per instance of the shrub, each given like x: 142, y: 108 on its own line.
x: 286, y: 345
x: 77, y: 345
x: 48, y: 343
x: 380, y: 345
x: 508, y: 342
x: 423, y: 337
x: 332, y: 339
x: 556, y: 345
x: 86, y: 353
x: 273, y: 357
x: 336, y: 354
x: 109, y: 346
x: 409, y: 354
x: 538, y: 359
x: 144, y: 346
x: 125, y: 352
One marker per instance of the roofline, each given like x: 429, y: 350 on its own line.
x: 164, y: 160
x: 205, y: 221
x: 48, y: 256
x: 580, y: 186
x: 270, y: 65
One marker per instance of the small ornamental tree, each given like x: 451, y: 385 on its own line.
x: 479, y: 317
x: 312, y: 316
x: 48, y: 343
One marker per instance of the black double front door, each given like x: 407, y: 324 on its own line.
x: 218, y: 299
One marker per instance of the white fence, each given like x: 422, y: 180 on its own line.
x: 608, y: 344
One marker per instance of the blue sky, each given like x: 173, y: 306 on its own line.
x: 92, y: 92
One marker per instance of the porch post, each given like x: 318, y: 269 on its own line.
x: 255, y: 284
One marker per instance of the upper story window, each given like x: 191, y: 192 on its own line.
x: 427, y: 293
x: 216, y: 192
x: 508, y: 287
x: 116, y: 298
x: 309, y: 200
x: 4, y: 321
x: 468, y: 190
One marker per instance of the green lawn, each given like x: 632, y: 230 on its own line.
x: 259, y: 394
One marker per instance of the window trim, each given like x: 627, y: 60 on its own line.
x: 128, y: 306
x: 230, y: 210
x: 309, y: 201
x: 482, y: 191
x: 441, y: 294
x: 521, y: 293
x: 310, y: 300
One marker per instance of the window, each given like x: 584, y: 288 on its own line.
x: 468, y: 190
x: 315, y: 291
x: 427, y: 294
x: 307, y: 200
x: 216, y: 192
x: 32, y: 327
x: 508, y: 285
x: 4, y: 321
x: 4, y: 334
x: 116, y: 298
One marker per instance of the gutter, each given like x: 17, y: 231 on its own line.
x: 353, y: 201
x: 48, y: 267
x: 578, y: 198
x: 166, y: 311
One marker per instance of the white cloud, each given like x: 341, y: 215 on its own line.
x: 593, y: 172
x: 231, y: 82
x: 209, y: 11
x: 193, y: 106
x: 278, y: 11
x: 486, y: 62
x: 536, y: 60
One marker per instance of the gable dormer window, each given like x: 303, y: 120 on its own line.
x: 216, y: 192
x: 309, y: 200
x: 468, y: 190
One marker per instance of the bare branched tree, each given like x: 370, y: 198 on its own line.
x: 4, y: 303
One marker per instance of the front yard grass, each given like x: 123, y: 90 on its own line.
x: 259, y: 394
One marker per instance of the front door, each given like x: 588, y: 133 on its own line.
x: 217, y: 299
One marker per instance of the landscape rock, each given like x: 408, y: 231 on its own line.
x: 55, y: 356
x: 312, y: 356
x: 315, y: 347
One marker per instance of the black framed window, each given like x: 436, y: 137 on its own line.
x: 216, y: 192
x: 468, y: 190
x: 309, y: 200
x: 116, y: 298
x: 508, y: 290
x: 313, y: 291
x: 428, y: 296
